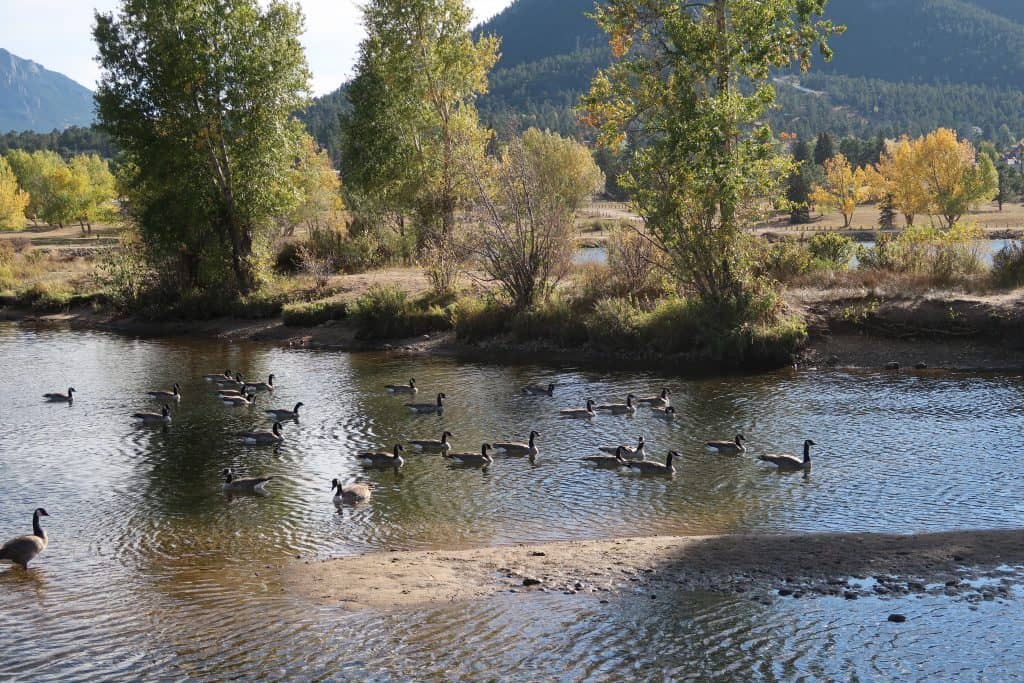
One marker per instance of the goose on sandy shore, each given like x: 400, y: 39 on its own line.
x: 263, y: 437
x: 163, y: 417
x: 409, y: 388
x: 243, y: 485
x: 442, y: 445
x: 350, y: 493
x: 734, y: 446
x: 789, y: 463
x: 24, y: 549
x: 648, y: 467
x: 280, y: 414
x: 428, y: 407
x: 579, y: 412
x: 61, y: 398
x: 173, y: 395
x: 393, y: 459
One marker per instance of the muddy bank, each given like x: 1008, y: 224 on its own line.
x: 762, y: 567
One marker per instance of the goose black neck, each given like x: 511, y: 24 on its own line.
x: 36, y: 529
x: 807, y: 452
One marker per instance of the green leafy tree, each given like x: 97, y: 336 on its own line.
x: 413, y: 124
x: 199, y: 95
x: 707, y: 167
x: 32, y: 171
x: 98, y: 187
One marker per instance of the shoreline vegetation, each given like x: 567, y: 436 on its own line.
x: 761, y: 567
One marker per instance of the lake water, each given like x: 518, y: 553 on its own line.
x: 153, y: 572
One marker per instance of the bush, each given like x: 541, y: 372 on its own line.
x: 614, y: 324
x: 479, y: 319
x: 47, y: 295
x: 633, y: 259
x: 554, y: 320
x: 1008, y: 266
x: 944, y: 256
x: 313, y: 313
x: 288, y: 260
x: 831, y: 249
x: 385, y: 312
x: 785, y: 260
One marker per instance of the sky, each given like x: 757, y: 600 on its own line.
x: 58, y: 35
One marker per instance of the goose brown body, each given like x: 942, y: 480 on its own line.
x: 23, y: 549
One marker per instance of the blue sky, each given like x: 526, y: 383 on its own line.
x: 57, y: 34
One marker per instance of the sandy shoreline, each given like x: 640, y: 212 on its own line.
x: 763, y: 567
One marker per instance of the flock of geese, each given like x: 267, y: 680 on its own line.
x: 234, y: 391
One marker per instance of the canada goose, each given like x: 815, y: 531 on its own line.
x: 428, y: 407
x: 734, y: 446
x: 260, y: 386
x: 580, y: 412
x: 163, y: 417
x: 173, y: 395
x: 662, y: 400
x: 61, y: 398
x: 23, y: 549
x: 226, y: 375
x: 608, y: 461
x: 350, y: 493
x: 237, y: 382
x: 538, y: 390
x: 409, y: 388
x: 272, y: 437
x: 280, y: 414
x: 789, y: 463
x: 384, y: 459
x: 481, y: 459
x: 433, y: 445
x: 628, y: 450
x: 245, y: 485
x: 620, y: 408
x: 238, y: 401
x: 516, y: 448
x: 229, y: 392
x: 648, y: 467
x: 665, y: 413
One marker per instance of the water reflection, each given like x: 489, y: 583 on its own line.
x: 151, y: 566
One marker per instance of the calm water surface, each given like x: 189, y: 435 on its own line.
x: 152, y: 571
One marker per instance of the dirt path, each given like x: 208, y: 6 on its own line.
x: 763, y: 567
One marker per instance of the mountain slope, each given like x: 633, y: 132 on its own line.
x: 34, y: 98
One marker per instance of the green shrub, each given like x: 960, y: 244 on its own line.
x: 831, y: 249
x: 614, y: 324
x: 480, y: 319
x: 385, y: 312
x: 924, y: 250
x: 313, y: 313
x: 1008, y: 266
x: 785, y: 260
x: 47, y: 295
x: 555, y: 320
x: 288, y: 260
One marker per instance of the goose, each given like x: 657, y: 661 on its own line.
x: 237, y: 382
x: 280, y: 414
x: 229, y: 392
x: 261, y: 386
x: 628, y: 450
x: 226, y: 375
x: 608, y: 461
x: 428, y: 407
x: 580, y: 412
x: 384, y: 459
x: 538, y: 390
x: 173, y: 395
x: 244, y: 485
x: 61, y: 398
x: 518, y: 448
x: 23, y: 549
x: 662, y: 400
x: 238, y: 401
x: 409, y: 388
x: 481, y: 459
x: 648, y: 467
x: 350, y: 493
x: 163, y: 417
x: 734, y: 446
x: 665, y: 413
x: 620, y: 408
x: 272, y: 437
x: 433, y: 445
x: 789, y: 463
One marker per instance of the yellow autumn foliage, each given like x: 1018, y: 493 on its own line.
x: 844, y: 188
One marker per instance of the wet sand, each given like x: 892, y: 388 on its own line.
x: 761, y: 566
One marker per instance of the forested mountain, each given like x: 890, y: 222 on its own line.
x: 34, y: 98
x: 902, y: 66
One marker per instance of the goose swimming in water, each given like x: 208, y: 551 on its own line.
x: 790, y: 463
x: 280, y: 414
x: 393, y: 459
x: 442, y: 446
x: 226, y: 375
x: 639, y: 450
x: 481, y: 459
x: 260, y: 386
x: 24, y: 549
x: 263, y: 437
x: 665, y: 413
x: 734, y: 446
x: 238, y: 401
x: 244, y: 485
x: 61, y: 398
x: 518, y: 448
x: 428, y: 407
x: 580, y: 412
x: 409, y: 388
x: 627, y: 408
x: 648, y: 467
x: 608, y: 461
x: 538, y: 390
x: 163, y: 417
x: 661, y: 400
x: 164, y: 395
x: 350, y: 493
